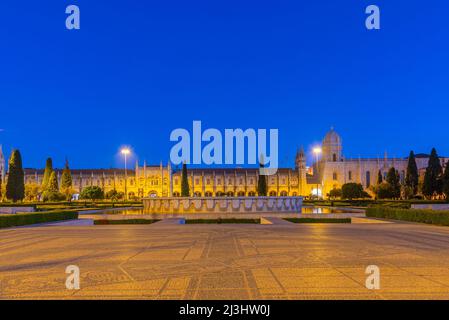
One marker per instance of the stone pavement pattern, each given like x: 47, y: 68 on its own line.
x: 168, y: 261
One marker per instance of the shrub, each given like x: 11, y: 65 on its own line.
x: 352, y: 191
x: 21, y: 219
x: 53, y: 196
x: 413, y: 215
x: 92, y: 193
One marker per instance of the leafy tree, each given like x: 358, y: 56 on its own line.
x: 379, y: 177
x: 47, y: 173
x: 52, y: 191
x: 432, y: 179
x: 32, y: 191
x: 384, y: 191
x: 412, y: 175
x: 15, y: 186
x: 114, y: 195
x: 393, y: 180
x: 352, y: 191
x: 446, y: 181
x: 92, y: 193
x: 335, y: 193
x: 185, y: 189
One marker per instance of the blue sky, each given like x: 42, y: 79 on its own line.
x: 139, y: 69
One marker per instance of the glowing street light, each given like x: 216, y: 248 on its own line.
x: 125, y: 152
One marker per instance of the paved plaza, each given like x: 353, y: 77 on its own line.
x: 279, y: 261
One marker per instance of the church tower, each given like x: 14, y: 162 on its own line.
x: 300, y: 166
x: 2, y: 165
x: 300, y: 160
x: 332, y: 147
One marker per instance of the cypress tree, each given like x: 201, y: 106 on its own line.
x: 47, y: 173
x: 432, y: 179
x: 394, y: 181
x: 52, y: 186
x: 412, y: 176
x: 262, y: 189
x: 185, y: 189
x: 66, y: 177
x: 446, y: 181
x: 15, y: 186
x: 379, y: 178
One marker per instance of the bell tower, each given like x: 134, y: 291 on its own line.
x: 2, y: 165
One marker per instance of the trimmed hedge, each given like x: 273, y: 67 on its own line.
x: 124, y: 221
x: 413, y: 215
x: 22, y: 219
x: 319, y: 220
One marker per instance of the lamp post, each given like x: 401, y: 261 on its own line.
x: 317, y: 151
x: 126, y: 152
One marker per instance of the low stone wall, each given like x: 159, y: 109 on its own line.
x: 222, y: 205
x: 14, y: 210
x: 433, y: 206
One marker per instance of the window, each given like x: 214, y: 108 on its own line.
x: 241, y: 181
x: 334, y: 157
x: 350, y: 175
x: 197, y: 181
x: 218, y: 181
x: 368, y: 179
x: 283, y: 193
x: 208, y: 181
x: 176, y: 182
x: 334, y: 176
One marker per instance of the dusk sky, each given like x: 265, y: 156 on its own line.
x: 139, y: 69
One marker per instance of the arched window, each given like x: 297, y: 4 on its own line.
x: 273, y: 194
x: 251, y: 194
x: 241, y: 194
x: 197, y: 194
x: 176, y: 194
x: 334, y: 157
x: 230, y: 194
x: 208, y: 194
x: 284, y: 194
x: 219, y: 194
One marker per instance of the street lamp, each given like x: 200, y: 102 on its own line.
x: 125, y: 152
x: 317, y: 151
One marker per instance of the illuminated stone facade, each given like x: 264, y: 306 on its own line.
x: 332, y: 171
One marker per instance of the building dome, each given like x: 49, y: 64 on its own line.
x: 332, y: 138
x: 332, y: 147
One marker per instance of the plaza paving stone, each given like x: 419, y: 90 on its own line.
x: 278, y: 261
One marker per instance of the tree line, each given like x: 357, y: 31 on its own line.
x: 434, y: 185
